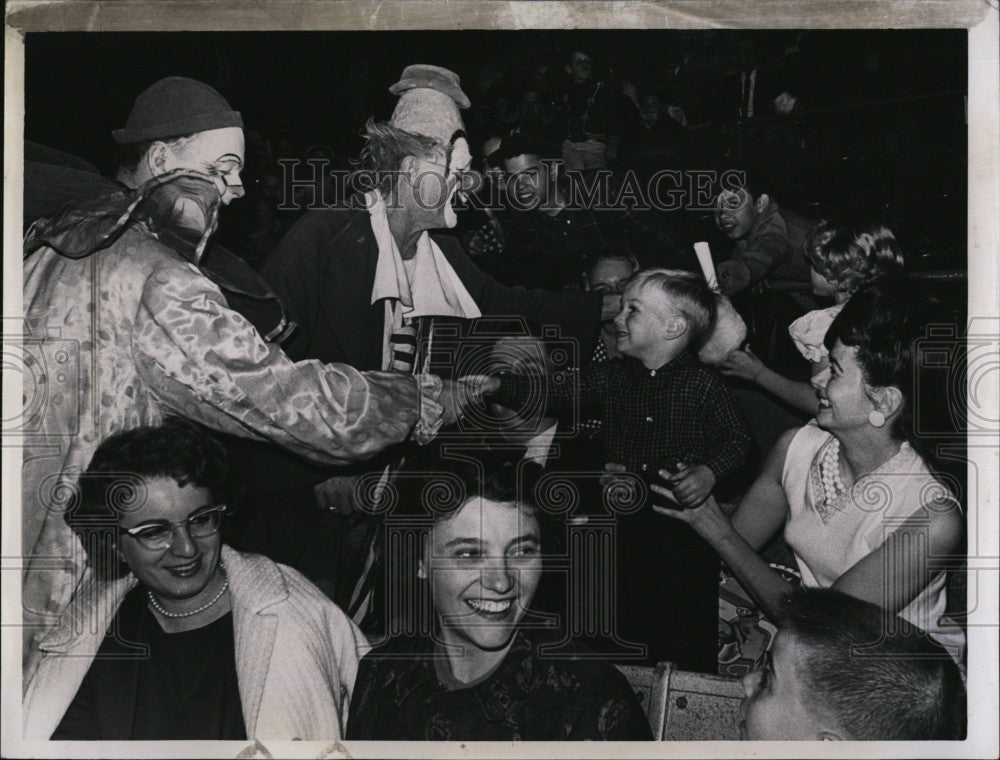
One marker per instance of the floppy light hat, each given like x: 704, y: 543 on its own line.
x: 429, y: 101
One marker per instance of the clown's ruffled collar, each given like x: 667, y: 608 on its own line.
x: 180, y: 208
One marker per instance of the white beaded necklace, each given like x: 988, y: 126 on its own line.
x: 829, y: 469
x: 217, y: 597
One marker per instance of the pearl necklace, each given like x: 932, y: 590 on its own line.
x: 217, y: 597
x: 829, y: 468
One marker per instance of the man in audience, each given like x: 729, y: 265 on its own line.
x: 593, y: 116
x: 551, y: 236
x: 840, y: 668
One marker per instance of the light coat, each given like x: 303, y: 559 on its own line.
x: 296, y: 653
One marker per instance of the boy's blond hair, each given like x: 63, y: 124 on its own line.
x: 689, y: 293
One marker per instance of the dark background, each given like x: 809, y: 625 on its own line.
x: 881, y: 126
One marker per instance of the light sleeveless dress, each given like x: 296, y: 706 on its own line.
x: 829, y: 539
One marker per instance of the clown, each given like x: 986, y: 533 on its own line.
x: 368, y: 283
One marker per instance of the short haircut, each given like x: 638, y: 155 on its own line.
x: 883, y: 321
x: 691, y: 295
x: 111, y: 484
x: 734, y: 180
x: 852, y: 254
x: 879, y: 680
x: 384, y: 151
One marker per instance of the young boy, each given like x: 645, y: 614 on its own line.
x: 662, y: 408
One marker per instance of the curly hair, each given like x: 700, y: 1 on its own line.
x: 114, y: 481
x: 852, y: 254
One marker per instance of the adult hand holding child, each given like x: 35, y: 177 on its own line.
x: 705, y: 517
x: 688, y: 486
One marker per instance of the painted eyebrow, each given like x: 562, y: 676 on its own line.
x: 229, y: 157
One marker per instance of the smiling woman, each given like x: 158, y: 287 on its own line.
x: 195, y: 628
x: 853, y: 490
x: 479, y: 673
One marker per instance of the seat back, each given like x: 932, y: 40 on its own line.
x: 701, y: 707
x: 686, y: 706
x: 650, y: 687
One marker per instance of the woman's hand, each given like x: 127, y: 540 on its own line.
x: 707, y: 518
x: 690, y: 486
x: 744, y: 364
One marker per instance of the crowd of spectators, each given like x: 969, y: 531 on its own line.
x: 524, y: 268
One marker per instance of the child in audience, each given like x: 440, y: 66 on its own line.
x: 844, y: 257
x: 661, y: 408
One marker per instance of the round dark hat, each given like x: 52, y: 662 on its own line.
x: 176, y: 106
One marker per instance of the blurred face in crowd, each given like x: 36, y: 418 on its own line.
x: 483, y: 563
x: 531, y: 105
x: 581, y: 66
x: 735, y: 213
x: 778, y: 704
x: 216, y: 152
x: 180, y: 518
x: 609, y: 275
x: 650, y: 110
x: 822, y: 286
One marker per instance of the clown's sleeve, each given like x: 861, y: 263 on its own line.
x: 207, y: 363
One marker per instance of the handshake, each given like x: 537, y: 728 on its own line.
x: 458, y: 396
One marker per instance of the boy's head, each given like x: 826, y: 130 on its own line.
x: 842, y: 668
x: 663, y: 312
x: 737, y: 205
x: 530, y: 165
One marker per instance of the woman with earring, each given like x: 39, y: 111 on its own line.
x: 860, y: 508
x: 178, y: 636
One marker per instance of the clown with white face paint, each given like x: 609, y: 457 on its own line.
x: 121, y: 277
x: 370, y: 281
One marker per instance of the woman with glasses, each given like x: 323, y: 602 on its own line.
x: 178, y: 636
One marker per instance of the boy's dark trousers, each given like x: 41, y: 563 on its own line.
x: 668, y: 585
